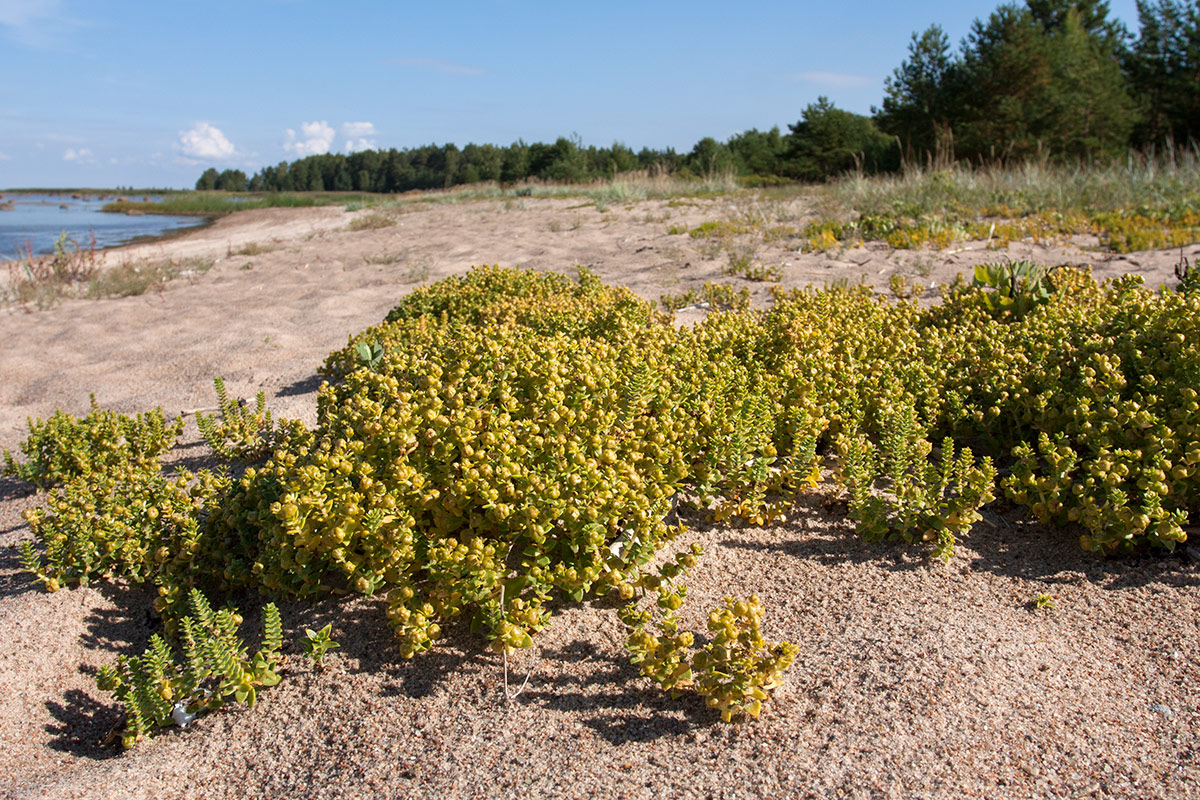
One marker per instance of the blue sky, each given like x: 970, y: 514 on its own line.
x: 104, y: 93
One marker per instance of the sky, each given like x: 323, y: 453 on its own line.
x: 105, y: 93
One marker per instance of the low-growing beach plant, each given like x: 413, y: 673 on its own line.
x: 65, y: 447
x: 524, y: 440
x: 897, y: 491
x: 135, y: 278
x: 734, y: 671
x: 1042, y: 601
x: 239, y: 433
x: 902, y: 289
x: 317, y: 643
x: 213, y: 667
x: 714, y: 295
x: 373, y: 220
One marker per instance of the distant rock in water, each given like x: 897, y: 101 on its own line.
x: 6, y: 206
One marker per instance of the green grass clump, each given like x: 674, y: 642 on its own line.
x: 41, y: 282
x: 216, y: 204
x: 372, y: 221
x: 718, y: 229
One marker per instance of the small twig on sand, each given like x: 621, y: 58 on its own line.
x: 510, y: 696
x: 190, y: 411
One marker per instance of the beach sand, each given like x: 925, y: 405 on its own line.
x: 914, y: 679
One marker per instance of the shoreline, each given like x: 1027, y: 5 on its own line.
x: 10, y: 198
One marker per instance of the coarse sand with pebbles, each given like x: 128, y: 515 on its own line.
x: 914, y: 679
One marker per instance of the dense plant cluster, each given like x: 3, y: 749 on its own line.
x: 507, y: 438
x: 64, y: 447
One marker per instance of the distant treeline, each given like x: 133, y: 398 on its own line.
x: 1049, y: 78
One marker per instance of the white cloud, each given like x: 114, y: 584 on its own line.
x: 83, y: 155
x: 5, y: 157
x: 315, y: 138
x: 356, y: 134
x: 833, y: 80
x: 205, y: 142
x: 438, y: 65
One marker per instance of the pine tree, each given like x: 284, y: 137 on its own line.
x: 920, y: 107
x: 1090, y: 111
x: 1164, y: 71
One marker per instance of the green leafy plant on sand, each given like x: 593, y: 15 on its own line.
x: 159, y: 688
x: 370, y: 354
x: 65, y: 447
x: 241, y: 433
x: 317, y: 643
x: 1014, y: 289
x: 1042, y: 601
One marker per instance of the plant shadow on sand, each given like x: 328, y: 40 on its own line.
x: 1004, y: 543
x: 124, y: 628
x: 82, y: 721
x: 627, y: 709
x: 630, y: 711
x: 304, y: 386
x: 81, y: 724
x: 192, y: 456
x: 11, y: 488
x: 13, y: 579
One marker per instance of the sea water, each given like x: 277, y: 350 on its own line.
x: 33, y: 222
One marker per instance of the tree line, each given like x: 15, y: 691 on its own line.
x: 1059, y: 79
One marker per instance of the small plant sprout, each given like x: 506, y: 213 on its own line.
x: 1042, y: 601
x: 317, y: 643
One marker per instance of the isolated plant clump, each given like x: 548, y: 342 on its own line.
x: 43, y: 282
x: 156, y: 689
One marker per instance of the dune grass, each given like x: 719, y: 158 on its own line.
x: 629, y: 187
x: 1164, y: 183
x: 215, y: 204
x: 37, y: 283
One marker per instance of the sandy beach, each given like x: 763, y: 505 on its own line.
x: 915, y: 679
